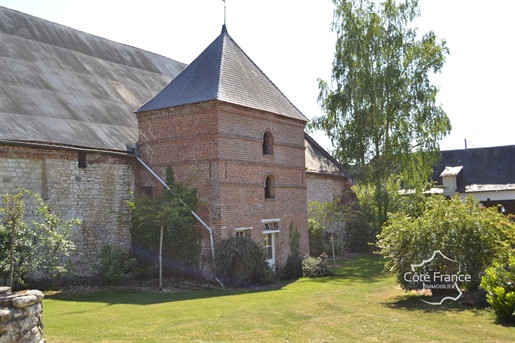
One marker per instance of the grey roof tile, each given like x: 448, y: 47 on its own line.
x: 224, y: 72
x: 481, y: 166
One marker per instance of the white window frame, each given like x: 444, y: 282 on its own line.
x: 273, y: 234
x: 270, y: 221
x: 243, y: 231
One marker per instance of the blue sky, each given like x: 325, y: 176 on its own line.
x: 291, y: 42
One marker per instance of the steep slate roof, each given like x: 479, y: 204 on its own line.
x: 320, y: 161
x: 224, y: 72
x: 481, y: 166
x: 66, y: 87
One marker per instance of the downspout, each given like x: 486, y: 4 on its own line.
x: 192, y: 212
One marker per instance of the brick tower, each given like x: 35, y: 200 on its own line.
x: 225, y: 125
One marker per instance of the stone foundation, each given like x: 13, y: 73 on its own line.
x: 20, y: 316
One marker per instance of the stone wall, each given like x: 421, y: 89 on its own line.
x: 324, y: 188
x: 95, y: 192
x: 20, y: 316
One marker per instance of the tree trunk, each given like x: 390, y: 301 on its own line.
x: 161, y: 259
x: 13, y: 237
x: 332, y: 245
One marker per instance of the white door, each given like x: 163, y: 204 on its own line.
x: 270, y: 249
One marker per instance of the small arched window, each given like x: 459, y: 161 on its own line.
x: 270, y: 187
x: 268, y: 143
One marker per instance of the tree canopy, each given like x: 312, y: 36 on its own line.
x: 380, y: 109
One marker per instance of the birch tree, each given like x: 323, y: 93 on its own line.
x: 380, y: 109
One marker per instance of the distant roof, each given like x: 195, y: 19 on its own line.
x: 66, y: 87
x: 320, y: 161
x: 481, y: 166
x: 224, y: 72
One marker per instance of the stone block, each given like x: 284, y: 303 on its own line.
x: 5, y: 315
x: 24, y: 301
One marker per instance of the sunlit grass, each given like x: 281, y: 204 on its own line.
x: 359, y: 304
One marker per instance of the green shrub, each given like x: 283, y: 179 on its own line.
x: 293, y: 267
x: 499, y: 284
x: 357, y: 236
x: 317, y: 241
x: 316, y: 266
x: 294, y: 240
x: 114, y: 265
x: 42, y: 244
x: 240, y: 262
x: 461, y: 230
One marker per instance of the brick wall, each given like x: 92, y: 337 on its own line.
x: 96, y: 194
x: 219, y: 146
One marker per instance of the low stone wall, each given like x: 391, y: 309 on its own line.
x: 20, y: 316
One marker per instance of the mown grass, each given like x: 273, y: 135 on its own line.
x: 359, y: 304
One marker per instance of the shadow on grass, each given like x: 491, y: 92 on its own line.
x: 413, y: 302
x: 504, y: 323
x: 144, y: 297
x: 365, y: 269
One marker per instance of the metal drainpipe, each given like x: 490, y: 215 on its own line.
x: 192, y: 212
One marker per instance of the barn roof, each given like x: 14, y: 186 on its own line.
x: 319, y: 161
x: 65, y: 87
x: 224, y: 72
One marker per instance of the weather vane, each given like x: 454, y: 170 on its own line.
x: 225, y: 13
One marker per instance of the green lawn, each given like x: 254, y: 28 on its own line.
x: 359, y: 304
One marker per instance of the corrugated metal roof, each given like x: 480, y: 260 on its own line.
x: 224, y: 72
x: 63, y: 86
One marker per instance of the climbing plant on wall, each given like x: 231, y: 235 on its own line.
x: 166, y: 214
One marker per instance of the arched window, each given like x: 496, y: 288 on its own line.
x: 270, y: 187
x: 268, y: 143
